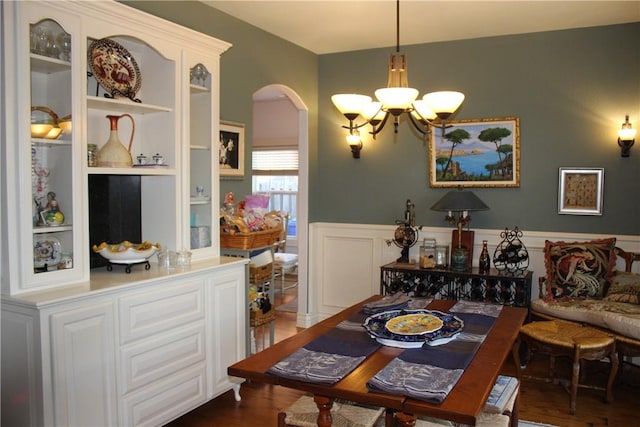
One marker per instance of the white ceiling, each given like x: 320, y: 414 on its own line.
x: 330, y: 26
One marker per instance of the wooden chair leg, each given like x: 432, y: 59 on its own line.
x: 389, y: 418
x: 515, y: 351
x: 405, y: 420
x: 612, y: 375
x: 281, y: 418
x: 324, y: 410
x: 575, y: 377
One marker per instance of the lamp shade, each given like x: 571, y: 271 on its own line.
x: 373, y: 111
x: 353, y: 139
x: 460, y: 200
x: 627, y: 132
x: 444, y: 102
x: 422, y: 110
x: 396, y: 100
x: 350, y: 103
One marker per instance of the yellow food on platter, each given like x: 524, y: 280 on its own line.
x: 414, y: 324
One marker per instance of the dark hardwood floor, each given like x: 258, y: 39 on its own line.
x: 539, y: 401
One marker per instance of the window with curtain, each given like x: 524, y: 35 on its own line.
x: 275, y: 173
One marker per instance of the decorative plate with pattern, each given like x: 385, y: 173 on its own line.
x: 384, y: 328
x: 46, y: 251
x: 114, y: 68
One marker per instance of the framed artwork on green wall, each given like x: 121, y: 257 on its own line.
x: 580, y: 191
x: 231, y: 149
x: 476, y: 153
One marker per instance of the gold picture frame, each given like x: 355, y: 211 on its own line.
x: 580, y: 191
x: 231, y: 149
x: 476, y: 153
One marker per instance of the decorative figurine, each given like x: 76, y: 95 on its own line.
x: 51, y: 214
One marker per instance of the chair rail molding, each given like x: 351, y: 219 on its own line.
x: 345, y: 260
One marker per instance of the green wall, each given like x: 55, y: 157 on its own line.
x: 571, y: 90
x: 255, y: 60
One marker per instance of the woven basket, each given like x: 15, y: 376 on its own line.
x: 258, y: 318
x: 258, y: 275
x: 251, y: 240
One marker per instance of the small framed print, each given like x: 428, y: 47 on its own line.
x: 231, y: 149
x: 580, y: 191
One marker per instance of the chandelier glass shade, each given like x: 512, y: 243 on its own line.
x: 398, y: 98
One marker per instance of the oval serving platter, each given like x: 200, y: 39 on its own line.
x: 114, y: 68
x: 376, y: 326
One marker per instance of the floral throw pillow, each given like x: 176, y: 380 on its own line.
x: 625, y: 287
x: 578, y: 269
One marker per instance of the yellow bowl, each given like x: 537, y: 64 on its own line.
x: 65, y: 125
x: 40, y: 130
x: 54, y: 133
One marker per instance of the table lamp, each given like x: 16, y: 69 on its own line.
x: 458, y: 203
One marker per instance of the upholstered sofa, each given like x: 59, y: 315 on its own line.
x: 582, y: 285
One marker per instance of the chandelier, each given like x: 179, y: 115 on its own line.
x: 396, y: 99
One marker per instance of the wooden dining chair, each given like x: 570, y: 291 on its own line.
x: 304, y: 413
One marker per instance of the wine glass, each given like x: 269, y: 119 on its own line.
x: 64, y: 42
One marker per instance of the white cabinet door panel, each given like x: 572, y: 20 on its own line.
x: 83, y: 366
x: 162, y: 356
x: 167, y: 399
x: 227, y: 302
x: 154, y: 311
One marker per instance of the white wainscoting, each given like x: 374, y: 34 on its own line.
x: 345, y: 260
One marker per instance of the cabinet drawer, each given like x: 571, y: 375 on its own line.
x: 157, y: 358
x: 167, y: 399
x: 160, y: 309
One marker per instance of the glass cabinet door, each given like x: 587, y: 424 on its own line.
x: 51, y: 142
x: 201, y: 155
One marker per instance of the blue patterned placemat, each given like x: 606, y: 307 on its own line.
x: 430, y: 373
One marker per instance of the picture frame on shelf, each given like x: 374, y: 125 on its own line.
x: 581, y: 191
x: 231, y: 149
x: 476, y: 153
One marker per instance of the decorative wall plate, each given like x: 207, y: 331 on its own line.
x: 47, y: 250
x: 377, y: 326
x: 115, y: 69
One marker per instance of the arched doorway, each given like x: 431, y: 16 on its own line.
x: 277, y: 93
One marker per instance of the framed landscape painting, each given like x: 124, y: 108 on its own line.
x: 231, y: 149
x: 476, y: 153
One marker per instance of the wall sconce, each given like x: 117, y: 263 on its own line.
x: 626, y: 137
x: 355, y: 143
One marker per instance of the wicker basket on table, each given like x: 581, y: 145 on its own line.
x: 255, y: 239
x: 258, y: 318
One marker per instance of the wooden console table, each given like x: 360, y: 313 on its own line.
x: 513, y: 289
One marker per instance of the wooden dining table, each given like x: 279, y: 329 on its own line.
x: 463, y: 404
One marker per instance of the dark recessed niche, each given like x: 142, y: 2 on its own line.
x: 114, y: 212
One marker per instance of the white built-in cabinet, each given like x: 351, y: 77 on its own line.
x: 84, y: 346
x: 177, y: 117
x: 142, y: 354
